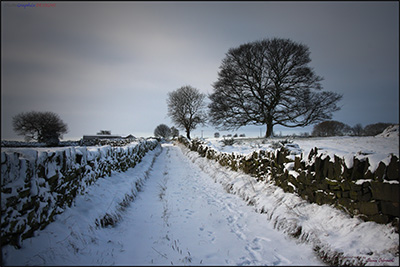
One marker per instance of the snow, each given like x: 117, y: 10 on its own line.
x: 390, y: 132
x: 329, y: 230
x: 361, y: 181
x: 181, y: 216
x: 375, y: 148
x: 190, y: 211
x: 349, y: 160
x: 76, y: 226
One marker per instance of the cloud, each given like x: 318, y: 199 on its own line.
x: 111, y: 65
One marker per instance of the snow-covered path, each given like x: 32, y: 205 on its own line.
x: 180, y: 217
x: 184, y: 217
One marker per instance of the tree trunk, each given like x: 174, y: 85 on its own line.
x: 270, y: 127
x: 269, y: 130
x: 188, y: 134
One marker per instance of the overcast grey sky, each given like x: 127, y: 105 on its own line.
x: 110, y: 65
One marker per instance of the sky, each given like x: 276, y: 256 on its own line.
x: 110, y: 65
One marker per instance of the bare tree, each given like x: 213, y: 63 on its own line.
x: 163, y: 131
x: 186, y: 108
x: 44, y: 127
x: 174, y: 132
x: 269, y: 82
x: 358, y: 129
x: 331, y: 128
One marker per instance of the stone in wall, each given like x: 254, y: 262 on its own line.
x: 385, y: 191
x: 392, y: 171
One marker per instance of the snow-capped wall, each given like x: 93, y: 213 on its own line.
x: 38, y: 183
x: 346, y: 183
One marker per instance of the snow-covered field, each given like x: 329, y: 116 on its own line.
x: 375, y: 148
x: 190, y: 211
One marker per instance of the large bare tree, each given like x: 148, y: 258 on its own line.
x: 269, y: 82
x: 46, y: 127
x: 186, y: 108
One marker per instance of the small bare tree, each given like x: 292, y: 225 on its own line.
x: 174, y: 132
x: 358, y: 129
x: 186, y: 108
x: 163, y: 131
x: 44, y: 127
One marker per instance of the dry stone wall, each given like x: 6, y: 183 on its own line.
x: 373, y: 196
x: 37, y: 184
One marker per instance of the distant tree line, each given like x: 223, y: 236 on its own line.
x: 336, y: 128
x: 217, y: 135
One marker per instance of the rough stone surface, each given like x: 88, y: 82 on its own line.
x: 385, y: 191
x: 392, y: 171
